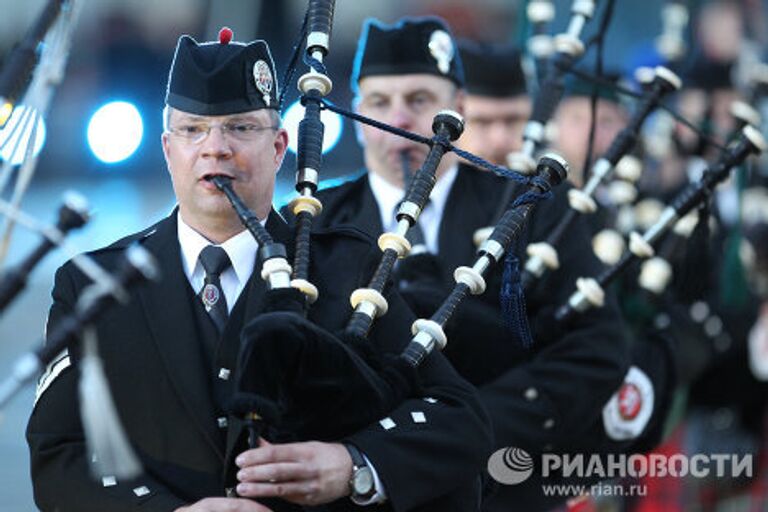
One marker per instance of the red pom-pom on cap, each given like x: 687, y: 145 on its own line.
x: 225, y: 35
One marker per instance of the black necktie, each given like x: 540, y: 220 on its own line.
x: 215, y: 261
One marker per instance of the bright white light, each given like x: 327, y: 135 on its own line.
x: 115, y: 132
x: 331, y: 120
x: 13, y: 150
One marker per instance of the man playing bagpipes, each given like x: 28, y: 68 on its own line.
x: 542, y: 398
x: 171, y: 354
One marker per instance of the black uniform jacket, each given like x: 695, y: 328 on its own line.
x: 162, y: 385
x: 545, y: 399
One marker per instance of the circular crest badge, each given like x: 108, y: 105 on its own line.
x: 262, y: 76
x: 210, y: 296
x: 628, y: 411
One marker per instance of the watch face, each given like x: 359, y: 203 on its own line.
x: 363, y: 481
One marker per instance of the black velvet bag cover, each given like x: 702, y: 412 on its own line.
x: 317, y: 385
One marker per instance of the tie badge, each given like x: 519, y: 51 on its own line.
x: 262, y: 75
x: 441, y: 48
x: 210, y: 295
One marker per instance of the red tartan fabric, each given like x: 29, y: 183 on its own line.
x: 670, y: 494
x: 664, y: 494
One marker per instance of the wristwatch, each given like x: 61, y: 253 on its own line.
x: 361, y: 485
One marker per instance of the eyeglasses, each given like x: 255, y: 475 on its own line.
x: 196, y: 133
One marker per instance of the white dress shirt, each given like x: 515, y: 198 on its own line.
x: 388, y: 198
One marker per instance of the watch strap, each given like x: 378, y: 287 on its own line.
x: 358, y: 461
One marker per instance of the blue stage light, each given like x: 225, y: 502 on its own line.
x: 115, y: 131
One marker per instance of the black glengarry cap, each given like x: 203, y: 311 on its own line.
x: 221, y: 77
x: 410, y: 46
x: 493, y: 70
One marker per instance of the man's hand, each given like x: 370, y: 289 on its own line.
x: 310, y: 473
x: 224, y: 505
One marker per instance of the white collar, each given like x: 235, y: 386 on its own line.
x: 388, y: 195
x: 240, y: 248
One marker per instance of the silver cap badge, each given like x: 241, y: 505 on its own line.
x: 441, y: 48
x: 262, y: 75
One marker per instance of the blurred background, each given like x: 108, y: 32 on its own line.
x: 121, y: 52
